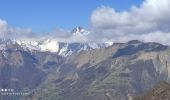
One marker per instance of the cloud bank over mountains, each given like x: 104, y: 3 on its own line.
x: 148, y: 22
x: 7, y: 31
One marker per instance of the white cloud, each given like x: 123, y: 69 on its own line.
x: 149, y: 22
x: 3, y: 26
x: 7, y: 31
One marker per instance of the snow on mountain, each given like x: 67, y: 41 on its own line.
x: 79, y: 31
x: 52, y: 45
x: 46, y: 45
x: 26, y: 44
x: 66, y: 49
x: 108, y: 43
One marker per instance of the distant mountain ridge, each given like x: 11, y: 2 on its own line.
x: 61, y: 48
x: 82, y: 71
x: 54, y: 46
x: 80, y: 31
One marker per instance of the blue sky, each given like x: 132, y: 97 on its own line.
x: 46, y: 15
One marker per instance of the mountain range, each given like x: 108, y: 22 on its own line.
x: 52, y: 70
x: 55, y: 46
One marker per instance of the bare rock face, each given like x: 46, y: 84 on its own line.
x: 21, y: 69
x: 117, y: 72
x: 161, y: 91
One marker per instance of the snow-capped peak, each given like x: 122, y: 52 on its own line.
x: 47, y: 45
x: 79, y: 31
x: 55, y: 46
x: 26, y: 42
